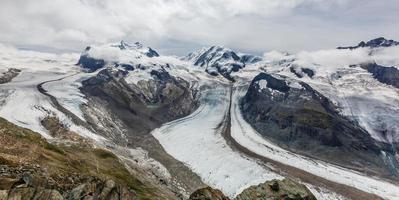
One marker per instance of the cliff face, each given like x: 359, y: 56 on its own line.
x: 387, y: 75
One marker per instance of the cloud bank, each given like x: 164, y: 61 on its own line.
x: 177, y: 26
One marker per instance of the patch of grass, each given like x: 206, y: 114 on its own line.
x: 62, y: 160
x: 54, y: 148
x: 103, y: 154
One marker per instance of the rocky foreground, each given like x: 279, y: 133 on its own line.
x: 270, y: 190
x: 33, y: 168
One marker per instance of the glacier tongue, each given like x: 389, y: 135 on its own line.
x: 196, y: 141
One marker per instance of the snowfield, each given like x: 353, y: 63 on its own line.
x: 22, y: 104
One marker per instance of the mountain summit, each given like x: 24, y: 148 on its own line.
x: 375, y: 43
x: 122, y: 53
x: 220, y: 60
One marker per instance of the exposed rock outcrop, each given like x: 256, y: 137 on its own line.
x: 301, y: 72
x: 375, y: 43
x: 208, y: 193
x: 285, y: 189
x: 8, y: 75
x: 33, y: 184
x: 277, y: 189
x: 387, y: 75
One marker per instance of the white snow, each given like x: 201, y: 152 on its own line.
x: 67, y: 92
x: 22, y: 104
x: 195, y: 141
x: 262, y: 84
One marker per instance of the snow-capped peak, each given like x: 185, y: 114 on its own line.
x: 374, y: 43
x: 97, y: 56
x: 137, y: 46
x: 207, y: 56
x: 220, y: 60
x: 124, y: 45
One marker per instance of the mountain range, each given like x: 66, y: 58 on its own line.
x: 122, y: 121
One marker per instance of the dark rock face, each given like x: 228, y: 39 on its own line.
x: 7, y: 76
x: 272, y: 82
x: 387, y: 75
x: 151, y: 53
x: 90, y: 64
x: 378, y: 42
x: 304, y: 121
x: 308, y: 71
x: 277, y: 189
x: 146, y: 105
x: 208, y: 194
x: 127, y: 67
x: 301, y: 72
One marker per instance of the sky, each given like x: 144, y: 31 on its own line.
x: 182, y: 26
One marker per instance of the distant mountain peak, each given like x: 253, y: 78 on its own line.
x: 90, y: 61
x: 374, y: 43
x: 125, y: 45
x: 220, y: 60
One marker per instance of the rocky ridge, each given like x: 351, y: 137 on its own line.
x: 8, y: 75
x: 295, y: 116
x: 374, y: 43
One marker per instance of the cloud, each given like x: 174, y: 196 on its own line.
x: 35, y: 61
x: 180, y: 25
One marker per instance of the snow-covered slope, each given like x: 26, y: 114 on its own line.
x: 21, y: 103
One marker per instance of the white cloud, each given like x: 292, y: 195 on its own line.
x: 249, y: 25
